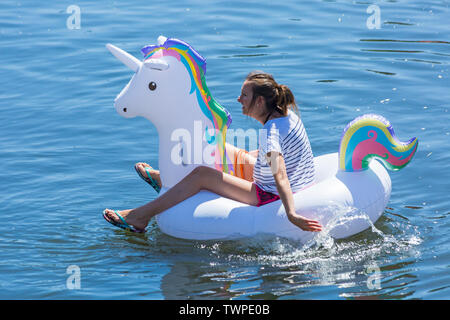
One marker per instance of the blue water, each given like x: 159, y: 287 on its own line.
x: 66, y: 154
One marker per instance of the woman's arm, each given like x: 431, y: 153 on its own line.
x: 278, y: 167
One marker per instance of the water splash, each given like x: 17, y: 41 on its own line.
x: 342, y: 215
x: 243, y: 267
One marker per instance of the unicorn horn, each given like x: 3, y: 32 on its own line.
x: 127, y: 59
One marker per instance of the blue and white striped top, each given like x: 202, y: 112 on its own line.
x: 287, y: 136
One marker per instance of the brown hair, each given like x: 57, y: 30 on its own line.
x: 277, y: 97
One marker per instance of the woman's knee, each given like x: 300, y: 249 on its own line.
x: 200, y: 170
x: 202, y: 175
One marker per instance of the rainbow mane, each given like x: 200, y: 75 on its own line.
x: 372, y: 136
x: 196, y: 66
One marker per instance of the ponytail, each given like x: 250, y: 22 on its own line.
x: 286, y: 99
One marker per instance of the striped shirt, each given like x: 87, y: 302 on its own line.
x: 287, y: 136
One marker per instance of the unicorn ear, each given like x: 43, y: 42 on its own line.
x: 157, y: 64
x: 161, y: 40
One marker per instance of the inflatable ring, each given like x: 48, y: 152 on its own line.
x: 169, y: 89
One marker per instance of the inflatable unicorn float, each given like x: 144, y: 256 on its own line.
x: 169, y: 89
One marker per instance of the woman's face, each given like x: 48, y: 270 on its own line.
x: 257, y: 110
x: 246, y: 97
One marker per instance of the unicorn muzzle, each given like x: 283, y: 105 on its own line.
x: 124, y: 103
x: 124, y: 112
x: 122, y: 108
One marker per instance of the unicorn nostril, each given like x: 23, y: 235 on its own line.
x: 124, y: 109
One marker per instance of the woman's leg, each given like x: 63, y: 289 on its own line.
x: 141, y: 166
x: 247, y: 159
x: 201, y: 178
x: 243, y: 161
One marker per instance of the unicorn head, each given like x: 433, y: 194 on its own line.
x: 169, y: 89
x: 150, y: 92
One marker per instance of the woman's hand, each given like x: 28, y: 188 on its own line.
x: 304, y: 223
x: 278, y: 167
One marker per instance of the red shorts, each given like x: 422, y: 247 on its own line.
x: 265, y: 197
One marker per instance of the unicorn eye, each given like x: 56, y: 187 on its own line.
x: 152, y: 86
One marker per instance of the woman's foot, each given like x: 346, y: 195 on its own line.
x: 126, y: 219
x: 150, y: 175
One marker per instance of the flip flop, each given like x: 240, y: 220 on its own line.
x: 124, y: 225
x: 149, y: 178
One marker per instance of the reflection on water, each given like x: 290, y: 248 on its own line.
x: 372, y: 264
x: 382, y: 72
x: 387, y: 42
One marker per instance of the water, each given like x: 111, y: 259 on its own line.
x: 66, y: 155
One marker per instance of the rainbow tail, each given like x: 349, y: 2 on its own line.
x: 372, y: 136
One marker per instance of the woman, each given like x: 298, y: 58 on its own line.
x: 283, y: 164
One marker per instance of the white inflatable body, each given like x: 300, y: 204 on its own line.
x: 169, y: 89
x: 208, y: 216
